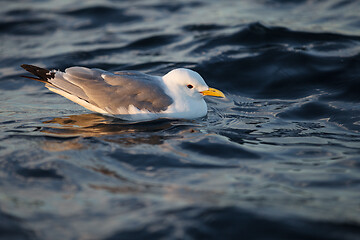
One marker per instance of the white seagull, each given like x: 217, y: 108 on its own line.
x: 130, y: 95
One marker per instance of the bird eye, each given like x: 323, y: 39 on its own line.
x: 190, y: 86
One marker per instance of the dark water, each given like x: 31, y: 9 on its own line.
x: 278, y: 159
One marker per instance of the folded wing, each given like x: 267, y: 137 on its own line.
x: 112, y: 93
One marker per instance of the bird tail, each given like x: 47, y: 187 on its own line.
x: 42, y: 74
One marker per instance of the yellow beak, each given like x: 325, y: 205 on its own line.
x: 213, y: 92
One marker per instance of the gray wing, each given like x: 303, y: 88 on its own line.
x: 113, y: 92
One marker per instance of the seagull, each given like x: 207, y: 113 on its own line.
x: 130, y: 95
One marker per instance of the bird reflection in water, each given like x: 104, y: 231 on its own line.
x: 118, y: 131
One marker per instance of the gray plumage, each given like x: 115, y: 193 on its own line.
x: 112, y: 92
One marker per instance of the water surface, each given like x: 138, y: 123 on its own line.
x: 278, y: 159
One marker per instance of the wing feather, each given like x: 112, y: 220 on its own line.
x: 101, y: 91
x: 116, y: 92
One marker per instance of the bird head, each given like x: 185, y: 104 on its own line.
x: 191, y: 83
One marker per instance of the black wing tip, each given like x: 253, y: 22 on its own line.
x: 25, y: 66
x: 34, y: 78
x: 43, y: 74
x: 31, y: 68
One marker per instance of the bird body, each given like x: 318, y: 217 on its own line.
x: 130, y: 95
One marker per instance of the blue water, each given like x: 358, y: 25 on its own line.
x: 278, y: 159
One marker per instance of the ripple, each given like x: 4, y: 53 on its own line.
x: 153, y: 41
x: 35, y: 26
x: 99, y: 15
x: 277, y: 159
x: 39, y: 173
